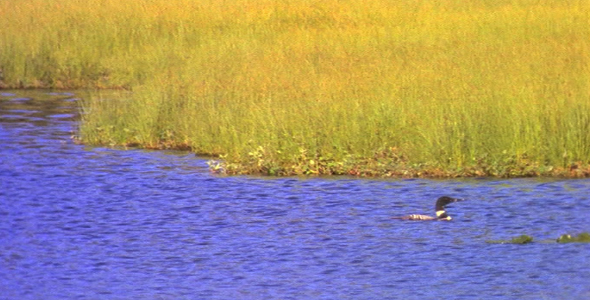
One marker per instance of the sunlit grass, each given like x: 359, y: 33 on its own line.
x: 433, y: 88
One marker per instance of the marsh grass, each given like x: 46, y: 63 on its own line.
x: 391, y: 88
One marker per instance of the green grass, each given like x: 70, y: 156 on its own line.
x: 387, y: 88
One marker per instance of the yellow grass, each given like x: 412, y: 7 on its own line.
x: 299, y: 86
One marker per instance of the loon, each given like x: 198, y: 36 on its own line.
x: 441, y: 214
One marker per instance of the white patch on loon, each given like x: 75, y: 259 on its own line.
x: 419, y: 217
x: 439, y: 213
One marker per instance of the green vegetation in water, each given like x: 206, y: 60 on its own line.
x: 522, y: 239
x: 387, y: 88
x: 525, y: 239
x: 580, y: 238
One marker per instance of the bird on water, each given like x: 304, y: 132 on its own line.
x: 439, y: 207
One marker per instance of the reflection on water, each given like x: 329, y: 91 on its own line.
x: 96, y: 223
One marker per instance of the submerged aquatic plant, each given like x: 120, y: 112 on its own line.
x: 522, y: 239
x: 580, y: 238
x: 564, y: 238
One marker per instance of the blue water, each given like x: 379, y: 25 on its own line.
x: 79, y: 222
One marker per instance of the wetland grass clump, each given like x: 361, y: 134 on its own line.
x: 402, y: 88
x: 583, y: 237
x: 521, y: 239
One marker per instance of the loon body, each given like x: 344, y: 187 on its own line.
x: 441, y: 214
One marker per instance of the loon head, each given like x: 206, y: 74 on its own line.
x: 439, y: 207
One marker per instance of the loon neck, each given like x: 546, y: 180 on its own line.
x: 442, y: 215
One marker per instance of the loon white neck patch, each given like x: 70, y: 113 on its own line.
x: 439, y: 213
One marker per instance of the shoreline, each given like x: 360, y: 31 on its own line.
x: 388, y: 167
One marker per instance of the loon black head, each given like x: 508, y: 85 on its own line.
x: 439, y: 207
x: 444, y: 201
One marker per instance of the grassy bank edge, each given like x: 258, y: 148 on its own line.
x: 385, y: 163
x: 388, y: 163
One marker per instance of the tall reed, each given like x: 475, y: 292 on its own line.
x: 300, y: 86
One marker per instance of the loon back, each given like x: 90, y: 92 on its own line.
x: 441, y: 214
x: 417, y: 218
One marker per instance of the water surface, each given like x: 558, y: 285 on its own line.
x: 94, y: 223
